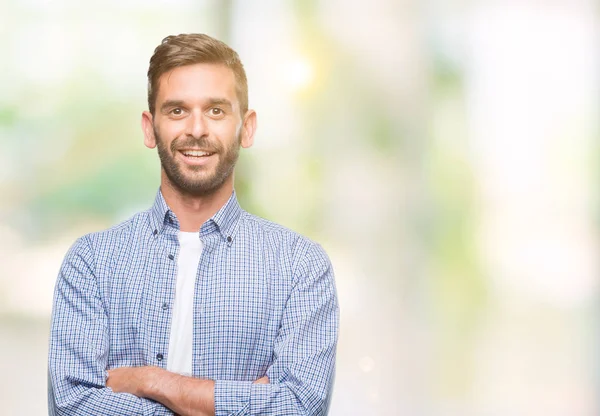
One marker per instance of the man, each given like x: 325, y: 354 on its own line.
x: 194, y: 307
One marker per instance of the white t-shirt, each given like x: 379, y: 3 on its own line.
x: 182, y: 321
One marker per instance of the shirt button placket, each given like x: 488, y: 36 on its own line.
x: 164, y: 306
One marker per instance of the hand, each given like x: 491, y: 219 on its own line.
x: 262, y: 380
x: 181, y: 394
x: 128, y: 379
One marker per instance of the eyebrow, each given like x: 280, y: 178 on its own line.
x: 171, y: 103
x: 220, y: 101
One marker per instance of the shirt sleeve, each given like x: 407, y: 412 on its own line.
x: 302, y: 373
x: 79, y: 343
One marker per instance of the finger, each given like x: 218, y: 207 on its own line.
x: 262, y: 380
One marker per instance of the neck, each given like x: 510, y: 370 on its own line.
x: 193, y: 211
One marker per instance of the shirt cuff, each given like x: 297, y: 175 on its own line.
x: 261, y: 399
x: 242, y: 397
x: 232, y: 397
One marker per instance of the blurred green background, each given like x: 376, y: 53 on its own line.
x: 444, y: 153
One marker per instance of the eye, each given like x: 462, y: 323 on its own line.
x: 216, y: 111
x: 177, y: 111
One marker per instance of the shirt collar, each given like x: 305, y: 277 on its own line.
x: 158, y: 213
x: 225, y: 220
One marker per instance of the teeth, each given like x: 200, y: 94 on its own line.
x: 195, y: 153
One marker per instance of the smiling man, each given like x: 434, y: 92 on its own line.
x: 195, y: 306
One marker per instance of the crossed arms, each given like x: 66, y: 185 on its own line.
x: 299, y: 378
x: 183, y: 395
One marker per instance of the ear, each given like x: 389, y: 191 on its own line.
x: 248, y: 129
x: 148, y: 129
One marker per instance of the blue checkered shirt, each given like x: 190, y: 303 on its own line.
x: 264, y: 304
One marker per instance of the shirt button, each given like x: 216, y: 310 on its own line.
x: 171, y: 257
x: 159, y: 356
x: 229, y: 239
x: 165, y: 306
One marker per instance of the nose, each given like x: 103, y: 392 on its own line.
x: 196, y: 126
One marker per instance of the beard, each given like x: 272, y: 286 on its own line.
x: 197, y: 180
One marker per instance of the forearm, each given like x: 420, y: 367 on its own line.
x: 68, y: 397
x: 183, y: 395
x: 290, y: 398
x: 102, y: 401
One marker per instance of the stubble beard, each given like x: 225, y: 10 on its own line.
x: 197, y: 180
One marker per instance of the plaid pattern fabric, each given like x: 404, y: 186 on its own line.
x: 265, y: 304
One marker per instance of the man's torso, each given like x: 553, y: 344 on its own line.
x: 242, y: 285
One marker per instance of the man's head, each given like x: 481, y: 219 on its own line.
x: 199, y: 117
x: 194, y: 48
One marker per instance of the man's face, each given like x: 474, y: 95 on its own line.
x: 197, y: 127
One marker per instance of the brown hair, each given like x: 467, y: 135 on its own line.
x: 188, y: 49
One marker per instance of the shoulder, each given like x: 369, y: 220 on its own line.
x: 304, y: 253
x: 270, y: 230
x: 99, y: 243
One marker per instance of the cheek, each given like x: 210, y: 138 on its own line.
x: 172, y: 130
x: 167, y: 125
x: 168, y: 133
x: 226, y: 132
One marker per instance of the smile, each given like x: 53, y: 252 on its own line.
x: 196, y: 153
x: 196, y: 158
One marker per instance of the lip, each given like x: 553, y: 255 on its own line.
x: 195, y: 160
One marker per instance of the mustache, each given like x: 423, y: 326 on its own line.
x: 196, y: 142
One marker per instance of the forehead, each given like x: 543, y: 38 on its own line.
x: 197, y: 82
